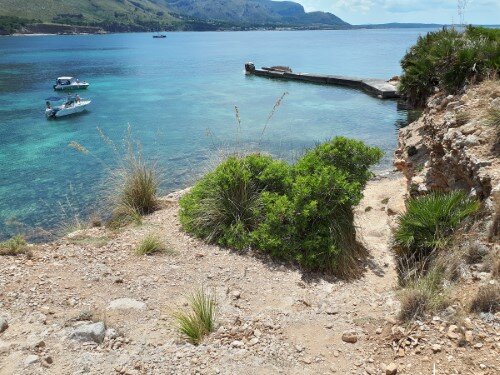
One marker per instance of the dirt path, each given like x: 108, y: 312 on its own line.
x: 273, y: 319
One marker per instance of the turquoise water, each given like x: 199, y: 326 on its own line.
x: 178, y: 94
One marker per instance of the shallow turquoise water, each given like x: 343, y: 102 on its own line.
x: 174, y: 93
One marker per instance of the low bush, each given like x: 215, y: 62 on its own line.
x: 487, y: 299
x: 449, y: 59
x: 426, y: 228
x: 424, y: 295
x: 493, y: 118
x: 14, y: 246
x: 301, y: 212
x: 200, y: 321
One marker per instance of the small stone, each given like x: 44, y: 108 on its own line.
x: 3, y: 324
x: 331, y: 311
x: 237, y: 344
x: 453, y: 332
x: 89, y: 332
x: 236, y: 294
x: 31, y: 359
x: 350, y: 337
x: 436, y: 348
x: 391, y: 369
x: 111, y: 333
x: 469, y: 337
x: 4, y: 347
x: 253, y: 341
x: 34, y: 342
x: 126, y: 304
x: 378, y: 331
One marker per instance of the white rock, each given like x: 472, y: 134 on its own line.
x: 4, y: 347
x: 31, y: 359
x: 237, y: 344
x: 89, y: 332
x: 111, y: 333
x: 126, y: 304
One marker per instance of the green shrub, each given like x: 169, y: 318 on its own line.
x: 427, y: 226
x: 300, y: 212
x: 449, y: 59
x: 200, y: 321
x: 14, y: 246
x: 221, y: 207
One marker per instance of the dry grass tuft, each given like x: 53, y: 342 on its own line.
x: 487, y: 299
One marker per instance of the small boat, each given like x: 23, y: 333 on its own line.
x: 70, y: 83
x: 69, y: 106
x: 159, y: 36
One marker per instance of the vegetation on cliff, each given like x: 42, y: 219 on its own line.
x: 449, y: 60
x: 301, y: 212
x: 151, y: 15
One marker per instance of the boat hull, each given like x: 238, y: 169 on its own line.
x: 77, y: 86
x: 61, y: 111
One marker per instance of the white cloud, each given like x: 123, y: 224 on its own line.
x: 438, y: 11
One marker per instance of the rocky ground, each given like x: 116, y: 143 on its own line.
x: 86, y: 304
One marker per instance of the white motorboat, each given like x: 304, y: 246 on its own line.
x: 70, y: 105
x: 70, y: 83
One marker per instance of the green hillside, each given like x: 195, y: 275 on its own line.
x: 144, y: 15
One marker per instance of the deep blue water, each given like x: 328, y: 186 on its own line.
x: 178, y: 94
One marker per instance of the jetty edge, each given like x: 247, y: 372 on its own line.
x: 377, y: 87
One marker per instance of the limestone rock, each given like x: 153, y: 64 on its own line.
x: 89, y: 332
x: 31, y: 359
x: 391, y: 369
x: 126, y: 304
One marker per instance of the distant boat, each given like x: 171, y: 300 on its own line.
x: 70, y: 83
x: 71, y: 105
x: 159, y: 36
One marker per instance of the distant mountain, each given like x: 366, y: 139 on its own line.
x: 150, y: 15
x: 253, y: 12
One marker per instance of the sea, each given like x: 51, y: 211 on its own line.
x: 184, y: 101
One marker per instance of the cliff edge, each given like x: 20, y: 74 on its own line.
x: 455, y: 144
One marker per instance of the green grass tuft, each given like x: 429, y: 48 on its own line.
x: 151, y: 244
x: 200, y: 320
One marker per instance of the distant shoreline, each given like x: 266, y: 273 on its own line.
x: 355, y: 27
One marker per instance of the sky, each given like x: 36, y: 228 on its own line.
x: 421, y: 11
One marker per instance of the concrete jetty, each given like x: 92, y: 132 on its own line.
x: 377, y: 87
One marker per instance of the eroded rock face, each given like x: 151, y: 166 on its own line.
x: 453, y: 146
